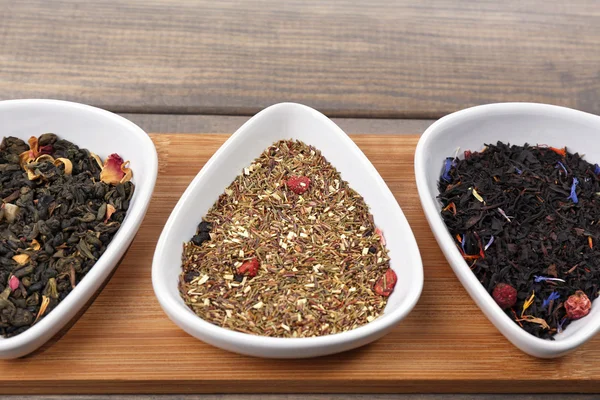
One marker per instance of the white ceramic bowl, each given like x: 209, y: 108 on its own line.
x: 516, y: 123
x: 287, y: 121
x: 103, y: 133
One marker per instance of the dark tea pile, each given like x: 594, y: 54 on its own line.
x: 289, y: 250
x: 526, y: 219
x: 61, y: 207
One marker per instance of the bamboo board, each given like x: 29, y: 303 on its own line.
x: 124, y: 343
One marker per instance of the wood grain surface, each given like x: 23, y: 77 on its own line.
x: 413, y: 59
x: 124, y: 343
x: 174, y: 123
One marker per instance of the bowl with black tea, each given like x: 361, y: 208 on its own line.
x: 75, y: 183
x: 512, y: 193
x: 287, y: 244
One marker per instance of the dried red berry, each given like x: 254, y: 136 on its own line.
x: 505, y: 295
x: 385, y: 284
x: 298, y: 184
x: 578, y: 305
x: 249, y: 268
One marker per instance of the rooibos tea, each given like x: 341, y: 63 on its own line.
x: 61, y: 207
x: 526, y: 219
x: 289, y: 250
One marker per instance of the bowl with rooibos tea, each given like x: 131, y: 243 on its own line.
x: 75, y: 183
x: 287, y: 244
x: 512, y: 194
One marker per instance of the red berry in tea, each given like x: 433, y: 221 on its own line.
x: 249, y: 268
x: 298, y: 184
x: 578, y: 305
x: 505, y: 295
x: 385, y: 285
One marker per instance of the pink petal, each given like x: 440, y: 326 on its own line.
x: 13, y: 282
x: 380, y: 233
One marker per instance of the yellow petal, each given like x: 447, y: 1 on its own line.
x: 527, y: 303
x: 128, y: 173
x: 35, y: 245
x: 28, y: 156
x: 33, y: 144
x: 25, y: 158
x: 95, y: 157
x: 21, y: 259
x: 67, y: 163
x: 477, y: 196
x: 43, y: 307
x: 31, y: 175
x: 110, y: 210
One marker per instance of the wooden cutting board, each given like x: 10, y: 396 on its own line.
x: 124, y: 343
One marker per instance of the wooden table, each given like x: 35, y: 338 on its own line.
x: 382, y: 67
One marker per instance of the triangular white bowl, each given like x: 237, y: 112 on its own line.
x: 515, y: 123
x: 286, y: 121
x: 103, y: 133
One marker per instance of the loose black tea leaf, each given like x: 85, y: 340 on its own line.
x: 289, y: 250
x: 526, y: 220
x: 61, y: 207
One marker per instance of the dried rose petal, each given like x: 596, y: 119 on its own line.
x: 379, y: 233
x: 115, y: 170
x: 13, y: 282
x: 385, y: 284
x: 110, y: 210
x: 48, y: 149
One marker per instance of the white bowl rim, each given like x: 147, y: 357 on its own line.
x: 189, y: 319
x: 456, y: 261
x: 125, y: 233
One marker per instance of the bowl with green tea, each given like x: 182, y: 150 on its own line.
x: 75, y: 183
x: 512, y: 193
x: 287, y: 244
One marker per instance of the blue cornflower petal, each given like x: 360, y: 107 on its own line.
x: 563, y: 167
x: 448, y: 164
x: 462, y: 244
x: 573, y: 195
x: 553, y: 296
x: 518, y: 171
x: 597, y: 169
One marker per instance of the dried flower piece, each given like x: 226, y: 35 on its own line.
x: 379, y: 233
x: 13, y: 282
x: 21, y: 259
x: 67, y: 163
x: 30, y: 155
x: 573, y: 195
x: 385, y: 284
x: 578, y: 305
x: 115, y: 170
x: 9, y: 212
x: 110, y: 210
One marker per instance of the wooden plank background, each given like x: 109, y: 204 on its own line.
x: 381, y: 58
x: 125, y: 343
